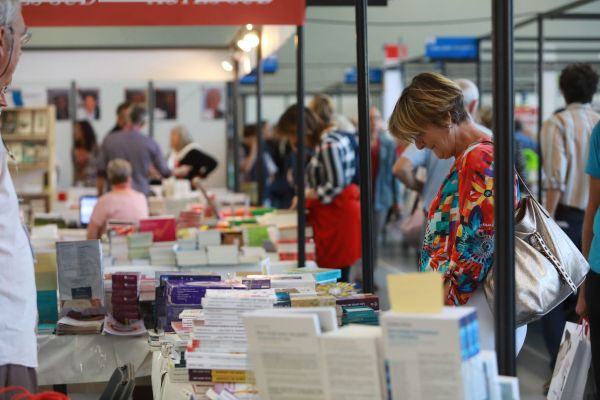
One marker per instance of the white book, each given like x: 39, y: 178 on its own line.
x: 284, y: 349
x: 79, y: 269
x: 222, y: 255
x: 353, y: 363
x: 289, y: 281
x: 208, y: 238
x: 424, y: 354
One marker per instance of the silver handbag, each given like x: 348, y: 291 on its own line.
x: 548, y: 265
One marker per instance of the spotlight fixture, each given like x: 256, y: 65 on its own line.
x: 251, y: 39
x: 249, y: 27
x: 244, y: 46
x: 226, y: 65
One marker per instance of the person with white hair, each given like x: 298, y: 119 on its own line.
x: 187, y: 160
x: 121, y: 203
x: 18, y: 343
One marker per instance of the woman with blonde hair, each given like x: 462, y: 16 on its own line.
x: 459, y: 237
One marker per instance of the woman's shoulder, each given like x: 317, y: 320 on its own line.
x: 481, y: 150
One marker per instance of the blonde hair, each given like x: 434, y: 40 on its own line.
x: 429, y: 99
x: 323, y: 106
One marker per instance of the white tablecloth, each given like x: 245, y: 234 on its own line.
x: 71, y: 359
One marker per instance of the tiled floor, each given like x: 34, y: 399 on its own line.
x: 532, y: 364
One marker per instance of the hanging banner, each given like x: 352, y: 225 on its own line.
x: 53, y: 13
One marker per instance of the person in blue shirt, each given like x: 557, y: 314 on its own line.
x: 588, y: 303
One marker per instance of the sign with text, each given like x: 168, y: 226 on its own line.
x: 52, y: 13
x: 452, y: 48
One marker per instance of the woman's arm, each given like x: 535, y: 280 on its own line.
x: 588, y: 236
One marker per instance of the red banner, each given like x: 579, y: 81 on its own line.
x: 52, y: 13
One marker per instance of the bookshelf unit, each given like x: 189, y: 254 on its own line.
x: 29, y: 134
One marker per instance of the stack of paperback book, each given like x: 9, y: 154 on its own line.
x: 221, y: 343
x: 163, y: 254
x: 138, y: 245
x: 125, y: 296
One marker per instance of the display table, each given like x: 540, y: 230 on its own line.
x: 73, y: 359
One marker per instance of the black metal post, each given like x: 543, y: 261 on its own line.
x: 478, y: 67
x: 260, y: 165
x: 504, y: 258
x: 540, y: 93
x: 151, y: 107
x: 73, y: 101
x: 366, y: 197
x: 301, y: 153
x: 236, y: 125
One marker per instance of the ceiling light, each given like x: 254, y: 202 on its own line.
x: 226, y: 65
x: 249, y: 27
x: 244, y: 46
x: 251, y: 39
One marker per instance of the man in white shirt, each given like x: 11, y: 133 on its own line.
x: 18, y: 309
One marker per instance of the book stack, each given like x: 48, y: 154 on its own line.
x: 125, y: 296
x: 188, y: 296
x: 208, y: 238
x: 163, y: 254
x: 358, y: 315
x: 119, y: 248
x: 161, y: 281
x: 72, y: 326
x: 191, y: 258
x: 300, y: 300
x: 187, y: 239
x: 446, y: 341
x: 322, y: 275
x: 220, y: 356
x: 138, y: 245
x: 190, y: 219
x: 163, y: 228
x: 289, y: 281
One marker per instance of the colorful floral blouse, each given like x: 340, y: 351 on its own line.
x: 459, y: 238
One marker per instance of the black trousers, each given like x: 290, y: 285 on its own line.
x: 592, y: 298
x: 553, y: 323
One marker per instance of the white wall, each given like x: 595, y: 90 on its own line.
x: 211, y: 135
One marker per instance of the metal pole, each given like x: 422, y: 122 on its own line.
x: 504, y: 257
x: 301, y: 153
x: 260, y: 165
x: 366, y: 199
x: 73, y: 102
x: 151, y: 107
x: 236, y: 125
x: 540, y: 93
x: 478, y: 66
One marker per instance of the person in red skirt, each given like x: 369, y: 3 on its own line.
x: 332, y: 197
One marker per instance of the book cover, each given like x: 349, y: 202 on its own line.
x: 79, y: 270
x: 164, y: 229
x: 9, y: 122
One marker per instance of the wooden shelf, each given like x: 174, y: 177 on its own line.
x: 22, y: 166
x: 24, y: 138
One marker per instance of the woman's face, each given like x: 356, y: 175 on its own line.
x: 174, y: 140
x: 439, y: 140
